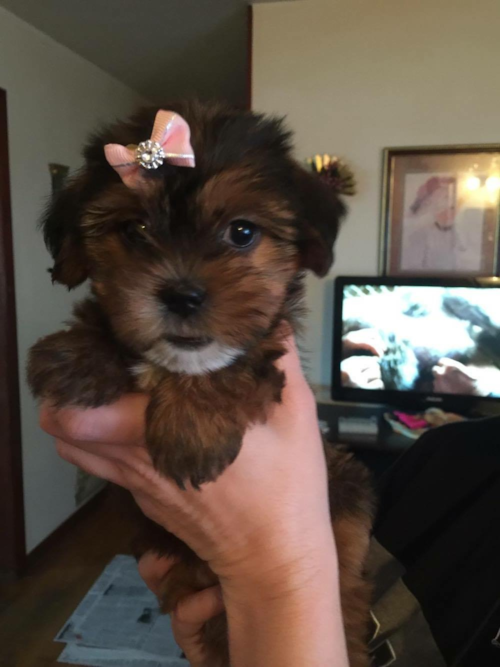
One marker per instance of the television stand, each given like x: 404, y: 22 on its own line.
x: 359, y: 426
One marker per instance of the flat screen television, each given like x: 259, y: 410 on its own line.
x: 413, y: 342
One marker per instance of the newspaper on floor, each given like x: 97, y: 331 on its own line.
x: 98, y: 657
x: 118, y: 623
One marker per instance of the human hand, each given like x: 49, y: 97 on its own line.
x: 364, y: 339
x: 453, y: 377
x: 361, y: 372
x: 191, y: 613
x: 265, y: 516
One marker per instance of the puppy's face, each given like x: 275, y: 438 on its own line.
x: 193, y: 268
x: 191, y: 280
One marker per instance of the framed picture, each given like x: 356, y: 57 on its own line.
x: 440, y: 211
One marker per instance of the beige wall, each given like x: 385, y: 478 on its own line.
x: 55, y: 98
x: 359, y: 75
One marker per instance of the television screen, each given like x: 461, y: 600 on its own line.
x: 437, y: 338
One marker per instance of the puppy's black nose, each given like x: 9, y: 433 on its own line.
x: 183, y: 300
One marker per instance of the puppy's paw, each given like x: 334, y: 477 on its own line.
x: 75, y: 368
x: 190, y: 444
x: 183, y: 580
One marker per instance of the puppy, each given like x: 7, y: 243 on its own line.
x: 196, y: 242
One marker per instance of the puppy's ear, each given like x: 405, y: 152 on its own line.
x: 321, y: 212
x: 61, y: 230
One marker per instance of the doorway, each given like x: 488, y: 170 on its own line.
x: 12, y: 541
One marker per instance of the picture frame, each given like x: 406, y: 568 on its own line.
x: 441, y: 211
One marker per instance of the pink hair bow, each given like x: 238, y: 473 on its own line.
x: 170, y: 142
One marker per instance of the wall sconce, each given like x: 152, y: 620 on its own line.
x: 473, y: 183
x: 493, y: 184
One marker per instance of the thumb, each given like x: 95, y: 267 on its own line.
x: 193, y: 611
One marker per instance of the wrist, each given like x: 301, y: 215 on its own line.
x: 291, y: 618
x: 280, y: 571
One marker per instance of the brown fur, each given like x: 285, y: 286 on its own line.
x: 134, y: 245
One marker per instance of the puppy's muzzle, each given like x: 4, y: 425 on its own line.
x: 183, y: 299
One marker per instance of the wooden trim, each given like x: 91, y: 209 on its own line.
x: 250, y: 19
x: 47, y: 545
x: 12, y: 542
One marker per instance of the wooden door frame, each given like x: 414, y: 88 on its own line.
x: 249, y: 82
x: 12, y: 541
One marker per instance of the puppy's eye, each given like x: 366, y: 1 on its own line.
x: 241, y: 234
x: 134, y: 232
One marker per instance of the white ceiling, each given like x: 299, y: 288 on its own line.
x: 162, y: 48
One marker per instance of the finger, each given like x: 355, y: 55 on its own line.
x: 364, y: 345
x: 121, y: 422
x: 463, y: 371
x: 134, y: 475
x: 162, y: 505
x: 457, y: 368
x: 290, y: 362
x: 379, y: 349
x: 450, y: 363
x: 372, y: 347
x: 132, y: 466
x: 372, y: 343
x: 94, y: 465
x: 296, y: 392
x: 193, y: 611
x: 153, y: 568
x: 376, y: 384
x: 130, y: 455
x: 372, y: 375
x: 365, y: 368
x: 379, y: 344
x: 370, y: 367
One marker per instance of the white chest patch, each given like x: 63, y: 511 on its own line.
x: 192, y: 362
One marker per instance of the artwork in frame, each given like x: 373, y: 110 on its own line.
x: 441, y: 211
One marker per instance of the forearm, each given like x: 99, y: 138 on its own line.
x: 296, y: 622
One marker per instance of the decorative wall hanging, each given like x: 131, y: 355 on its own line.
x: 440, y: 211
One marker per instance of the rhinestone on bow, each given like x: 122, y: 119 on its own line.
x: 149, y: 154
